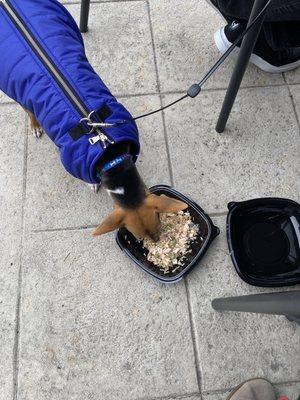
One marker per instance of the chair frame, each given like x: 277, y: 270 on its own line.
x: 84, y: 15
x: 245, y: 52
x: 278, y: 303
x: 244, y: 55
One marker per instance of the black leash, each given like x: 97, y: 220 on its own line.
x: 196, y: 88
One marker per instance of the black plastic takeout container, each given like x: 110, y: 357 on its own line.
x: 264, y: 241
x: 136, y: 252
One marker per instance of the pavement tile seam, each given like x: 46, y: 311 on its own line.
x: 284, y: 79
x: 16, y: 345
x: 160, y: 95
x: 174, y: 397
x: 8, y: 103
x: 88, y: 227
x: 196, y: 358
x: 221, y: 391
x: 167, y: 92
x: 218, y: 214
x: 170, y: 92
x: 294, y: 106
x: 133, y: 95
x: 193, y: 334
x: 204, y: 89
x: 167, y: 145
x: 74, y: 228
x: 101, y: 1
x: 287, y: 383
x: 153, y: 46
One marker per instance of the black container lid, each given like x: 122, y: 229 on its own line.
x: 264, y: 241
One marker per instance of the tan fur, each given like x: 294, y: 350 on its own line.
x: 35, y: 126
x: 143, y: 221
x: 34, y: 123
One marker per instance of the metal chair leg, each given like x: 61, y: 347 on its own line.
x: 84, y: 16
x: 245, y: 52
x: 281, y: 303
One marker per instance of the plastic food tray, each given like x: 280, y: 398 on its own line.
x: 136, y: 252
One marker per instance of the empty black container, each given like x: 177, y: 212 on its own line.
x: 136, y: 252
x: 264, y: 241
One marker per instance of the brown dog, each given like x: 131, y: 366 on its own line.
x: 135, y: 207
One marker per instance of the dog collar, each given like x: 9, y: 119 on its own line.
x: 113, y: 163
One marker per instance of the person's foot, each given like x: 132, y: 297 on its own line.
x: 254, y: 389
x: 263, y: 56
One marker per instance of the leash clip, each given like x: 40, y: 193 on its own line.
x: 95, y: 128
x: 95, y: 125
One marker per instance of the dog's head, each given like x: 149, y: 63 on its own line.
x: 142, y: 221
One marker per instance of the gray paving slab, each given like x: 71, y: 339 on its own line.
x: 257, y: 156
x: 185, y: 49
x: 93, y: 1
x: 119, y: 45
x: 57, y: 200
x: 292, y: 391
x: 216, y: 396
x: 96, y: 327
x: 235, y: 346
x: 295, y: 91
x: 187, y: 397
x: 4, y: 98
x: 12, y: 122
x: 293, y: 76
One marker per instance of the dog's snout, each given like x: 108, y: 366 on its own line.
x: 155, y: 237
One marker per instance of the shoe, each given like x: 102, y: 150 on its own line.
x: 254, y: 389
x: 263, y: 56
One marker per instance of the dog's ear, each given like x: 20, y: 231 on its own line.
x: 165, y: 204
x: 112, y: 222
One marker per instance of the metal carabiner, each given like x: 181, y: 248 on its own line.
x: 95, y: 125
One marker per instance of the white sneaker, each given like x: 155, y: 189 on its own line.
x: 263, y: 56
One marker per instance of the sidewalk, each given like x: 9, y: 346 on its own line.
x: 80, y: 322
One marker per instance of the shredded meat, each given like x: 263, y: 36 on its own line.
x: 177, y: 233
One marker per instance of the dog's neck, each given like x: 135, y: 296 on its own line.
x: 121, y: 179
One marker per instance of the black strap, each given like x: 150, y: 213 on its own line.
x: 103, y: 113
x: 79, y: 130
x: 82, y: 129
